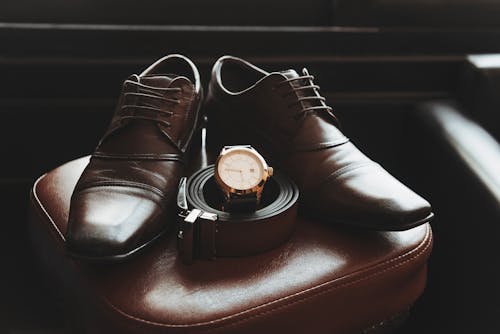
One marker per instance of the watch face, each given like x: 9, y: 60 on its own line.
x: 240, y: 169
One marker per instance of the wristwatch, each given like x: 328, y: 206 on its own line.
x: 241, y: 173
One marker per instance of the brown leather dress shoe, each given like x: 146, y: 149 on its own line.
x: 125, y: 197
x: 283, y: 115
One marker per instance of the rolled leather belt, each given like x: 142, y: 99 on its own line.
x: 206, y: 232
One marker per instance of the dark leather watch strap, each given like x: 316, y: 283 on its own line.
x: 205, y: 232
x: 241, y: 203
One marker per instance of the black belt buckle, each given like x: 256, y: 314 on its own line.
x: 197, y: 228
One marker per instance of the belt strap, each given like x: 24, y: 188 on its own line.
x: 206, y: 232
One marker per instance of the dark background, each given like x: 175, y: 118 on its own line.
x: 401, y: 76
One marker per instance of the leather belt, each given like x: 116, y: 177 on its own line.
x: 205, y: 232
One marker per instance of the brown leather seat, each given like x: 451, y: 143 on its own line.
x: 324, y: 280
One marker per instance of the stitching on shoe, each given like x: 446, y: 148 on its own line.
x: 115, y: 183
x: 138, y: 156
x: 320, y: 146
x: 197, y: 115
x: 335, y: 176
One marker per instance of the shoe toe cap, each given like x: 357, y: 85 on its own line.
x: 111, y: 221
x: 372, y: 198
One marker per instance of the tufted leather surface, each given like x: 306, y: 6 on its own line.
x: 324, y: 280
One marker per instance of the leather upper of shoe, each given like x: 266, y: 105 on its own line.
x: 125, y: 194
x: 283, y: 115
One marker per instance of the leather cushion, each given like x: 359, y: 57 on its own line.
x: 323, y: 280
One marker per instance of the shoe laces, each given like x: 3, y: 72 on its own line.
x: 304, y: 89
x: 144, y: 106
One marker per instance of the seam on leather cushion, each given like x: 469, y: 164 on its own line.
x: 329, y: 289
x: 42, y: 208
x: 309, y: 293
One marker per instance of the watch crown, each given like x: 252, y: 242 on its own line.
x: 270, y: 171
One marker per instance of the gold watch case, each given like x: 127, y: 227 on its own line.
x: 267, y: 172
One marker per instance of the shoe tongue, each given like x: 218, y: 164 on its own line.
x: 158, y: 81
x: 290, y: 74
x: 144, y: 135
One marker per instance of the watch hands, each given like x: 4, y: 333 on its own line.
x: 234, y: 170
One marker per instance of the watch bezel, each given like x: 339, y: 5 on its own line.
x: 266, y: 171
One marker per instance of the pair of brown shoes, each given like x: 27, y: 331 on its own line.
x: 125, y: 197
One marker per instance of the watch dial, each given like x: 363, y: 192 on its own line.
x: 240, y: 169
